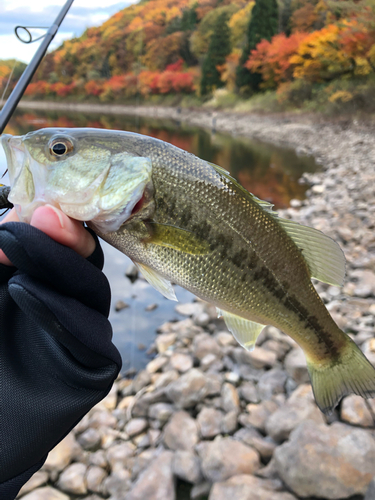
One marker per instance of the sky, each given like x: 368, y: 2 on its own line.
x: 82, y: 15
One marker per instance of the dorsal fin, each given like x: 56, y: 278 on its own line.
x: 324, y: 257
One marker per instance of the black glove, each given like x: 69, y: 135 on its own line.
x: 57, y: 359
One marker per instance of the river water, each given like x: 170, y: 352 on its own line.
x: 271, y: 173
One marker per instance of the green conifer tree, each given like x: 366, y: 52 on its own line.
x: 263, y: 25
x: 219, y: 47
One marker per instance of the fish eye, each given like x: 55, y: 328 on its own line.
x: 60, y: 147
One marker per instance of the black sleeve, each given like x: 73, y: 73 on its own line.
x: 57, y: 359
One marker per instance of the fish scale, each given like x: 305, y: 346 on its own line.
x: 183, y: 220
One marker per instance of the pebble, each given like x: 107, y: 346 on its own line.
x: 226, y: 457
x: 160, y: 412
x: 46, y: 493
x: 61, y: 456
x: 164, y: 341
x: 38, y: 479
x: 355, y: 411
x: 209, y: 422
x: 181, y: 432
x: 156, y: 481
x: 188, y: 390
x: 299, y: 407
x: 94, y: 478
x: 229, y: 397
x: 247, y: 487
x: 186, y: 466
x: 117, y: 483
x: 120, y: 305
x: 260, y: 358
x: 296, y: 367
x: 136, y: 426
x: 118, y: 455
x: 73, y: 479
x: 181, y: 362
x: 156, y: 364
x: 90, y: 439
x: 257, y: 414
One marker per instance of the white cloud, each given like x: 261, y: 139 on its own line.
x: 82, y: 14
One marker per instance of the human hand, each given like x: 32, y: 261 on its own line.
x: 59, y: 227
x: 56, y: 354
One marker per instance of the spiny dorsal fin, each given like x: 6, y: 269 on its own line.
x: 324, y: 257
x: 243, y: 330
x: 264, y: 204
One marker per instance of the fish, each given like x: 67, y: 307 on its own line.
x: 183, y: 220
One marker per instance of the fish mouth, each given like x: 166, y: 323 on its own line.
x: 15, y: 154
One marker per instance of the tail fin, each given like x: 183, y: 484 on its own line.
x: 351, y: 373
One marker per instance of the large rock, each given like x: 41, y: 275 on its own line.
x: 298, y: 408
x: 226, y: 457
x: 181, y: 432
x: 46, y: 493
x: 188, y: 390
x: 156, y: 481
x: 246, y: 487
x: 328, y: 462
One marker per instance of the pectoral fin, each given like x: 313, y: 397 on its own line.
x: 243, y: 330
x: 177, y: 238
x: 161, y: 284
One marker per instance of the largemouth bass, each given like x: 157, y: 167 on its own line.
x: 183, y: 220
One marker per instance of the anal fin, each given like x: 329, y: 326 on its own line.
x: 161, y: 284
x: 243, y: 330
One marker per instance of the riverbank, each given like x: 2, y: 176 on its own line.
x: 206, y: 419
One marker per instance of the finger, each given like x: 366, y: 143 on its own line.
x: 11, y: 217
x: 63, y: 229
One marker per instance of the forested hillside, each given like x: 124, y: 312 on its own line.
x: 302, y: 49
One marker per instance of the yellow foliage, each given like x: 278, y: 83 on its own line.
x: 341, y: 95
x: 238, y: 24
x: 318, y: 55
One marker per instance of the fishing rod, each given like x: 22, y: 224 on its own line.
x: 19, y: 89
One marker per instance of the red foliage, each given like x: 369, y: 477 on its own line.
x: 177, y: 66
x: 92, y: 87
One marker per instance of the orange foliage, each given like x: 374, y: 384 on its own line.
x: 273, y: 59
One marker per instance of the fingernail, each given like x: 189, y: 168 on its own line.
x: 59, y: 215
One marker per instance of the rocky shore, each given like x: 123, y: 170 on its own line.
x: 207, y: 420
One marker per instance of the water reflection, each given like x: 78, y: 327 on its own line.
x: 269, y: 172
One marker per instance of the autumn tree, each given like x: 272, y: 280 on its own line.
x: 218, y: 49
x: 263, y: 25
